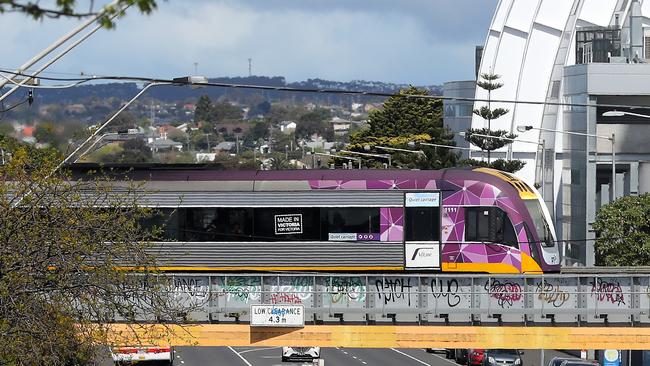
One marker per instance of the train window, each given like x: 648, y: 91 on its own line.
x: 216, y: 224
x: 539, y: 222
x: 287, y: 224
x: 477, y: 224
x: 349, y: 220
x: 162, y: 224
x: 422, y: 224
x: 503, y: 228
x: 489, y: 224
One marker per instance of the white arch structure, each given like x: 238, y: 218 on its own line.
x: 529, y: 43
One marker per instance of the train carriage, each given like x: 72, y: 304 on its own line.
x: 452, y: 220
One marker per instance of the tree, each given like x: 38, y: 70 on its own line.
x: 224, y: 111
x: 59, y: 262
x: 402, y: 120
x: 487, y: 139
x: 203, y: 111
x: 315, y: 122
x: 123, y: 122
x: 623, y: 232
x: 46, y: 133
x: 69, y: 9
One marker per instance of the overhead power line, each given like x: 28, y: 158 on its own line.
x: 324, y: 91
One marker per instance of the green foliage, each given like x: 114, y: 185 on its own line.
x: 224, y: 111
x: 130, y: 151
x: 260, y: 130
x: 501, y: 138
x: 405, y: 119
x: 623, y: 232
x: 70, y: 9
x: 509, y: 166
x: 122, y: 122
x: 203, y: 110
x: 60, y: 259
x: 45, y: 133
x: 490, y: 114
x: 315, y: 122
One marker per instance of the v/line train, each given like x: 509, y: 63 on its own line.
x: 452, y: 220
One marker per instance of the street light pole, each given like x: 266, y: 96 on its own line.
x: 418, y: 152
x: 54, y: 46
x: 100, y: 128
x: 612, y: 139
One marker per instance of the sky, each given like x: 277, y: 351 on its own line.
x: 419, y: 42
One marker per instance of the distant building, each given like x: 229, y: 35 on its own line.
x: 203, y: 157
x: 341, y: 126
x: 160, y: 144
x: 224, y: 147
x: 288, y: 126
x: 580, y: 52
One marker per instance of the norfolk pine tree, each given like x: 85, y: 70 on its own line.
x: 501, y: 138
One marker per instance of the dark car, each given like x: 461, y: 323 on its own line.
x: 458, y: 354
x: 502, y: 357
x: 566, y: 361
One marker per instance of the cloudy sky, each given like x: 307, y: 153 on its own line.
x: 407, y: 41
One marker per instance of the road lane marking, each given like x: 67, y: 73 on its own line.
x: 258, y: 349
x: 445, y: 359
x: 411, y: 357
x: 240, y: 356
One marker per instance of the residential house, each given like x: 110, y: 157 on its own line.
x: 288, y: 127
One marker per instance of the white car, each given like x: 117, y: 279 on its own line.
x: 300, y: 353
x: 130, y: 355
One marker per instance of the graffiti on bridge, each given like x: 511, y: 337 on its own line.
x: 552, y: 294
x: 447, y: 289
x: 240, y: 288
x: 393, y: 289
x: 605, y: 291
x: 192, y: 287
x: 342, y: 289
x: 506, y: 293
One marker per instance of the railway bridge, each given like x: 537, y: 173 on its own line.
x: 578, y: 309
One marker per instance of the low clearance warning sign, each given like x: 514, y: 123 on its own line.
x: 288, y: 224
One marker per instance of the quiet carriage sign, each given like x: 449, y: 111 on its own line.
x: 277, y: 315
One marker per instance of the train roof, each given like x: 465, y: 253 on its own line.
x: 177, y: 176
x: 207, y: 172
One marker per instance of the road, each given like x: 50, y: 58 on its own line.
x: 270, y: 356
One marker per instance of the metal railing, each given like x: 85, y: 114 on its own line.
x: 421, y: 299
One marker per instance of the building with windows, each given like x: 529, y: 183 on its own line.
x: 555, y: 58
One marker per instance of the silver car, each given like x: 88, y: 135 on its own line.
x: 502, y: 357
x: 566, y: 361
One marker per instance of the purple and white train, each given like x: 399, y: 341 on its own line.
x: 452, y: 220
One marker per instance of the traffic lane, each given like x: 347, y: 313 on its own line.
x: 533, y: 357
x: 207, y: 356
x: 272, y: 356
x: 382, y: 356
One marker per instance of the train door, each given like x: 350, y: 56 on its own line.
x: 422, y: 230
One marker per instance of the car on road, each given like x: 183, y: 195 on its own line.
x: 567, y: 361
x: 300, y: 353
x: 502, y: 357
x: 475, y: 357
x: 459, y: 355
x: 142, y: 354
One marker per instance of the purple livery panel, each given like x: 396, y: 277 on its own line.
x: 456, y: 195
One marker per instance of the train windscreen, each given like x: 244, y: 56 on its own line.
x: 539, y: 221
